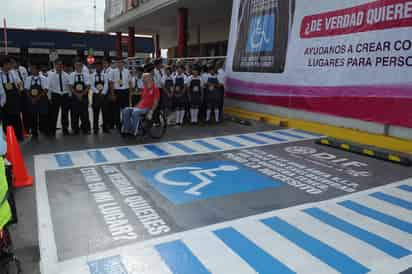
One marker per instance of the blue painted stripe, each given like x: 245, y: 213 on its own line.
x: 378, y: 242
x: 378, y: 216
x: 250, y: 139
x: 156, y: 150
x: 392, y: 200
x: 335, y: 259
x: 206, y: 145
x: 229, y: 142
x: 271, y: 137
x: 97, y: 156
x: 257, y: 258
x: 111, y: 265
x: 183, y: 148
x: 180, y: 259
x: 284, y: 133
x: 64, y: 160
x: 126, y: 152
x: 406, y: 188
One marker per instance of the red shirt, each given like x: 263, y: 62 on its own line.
x: 149, y: 96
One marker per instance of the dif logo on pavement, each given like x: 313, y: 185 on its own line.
x: 199, y: 181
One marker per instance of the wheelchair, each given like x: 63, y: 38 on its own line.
x: 9, y: 264
x: 156, y: 127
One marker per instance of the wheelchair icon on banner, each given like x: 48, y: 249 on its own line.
x: 261, y: 34
x: 204, y: 177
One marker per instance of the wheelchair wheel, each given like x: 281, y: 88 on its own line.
x: 158, y: 126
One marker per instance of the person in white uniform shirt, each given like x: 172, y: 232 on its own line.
x: 37, y: 102
x: 221, y: 75
x: 107, y: 70
x: 80, y: 85
x: 59, y: 92
x: 138, y: 86
x: 100, y: 87
x: 22, y: 74
x: 120, y: 86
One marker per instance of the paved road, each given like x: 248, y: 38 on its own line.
x: 219, y: 199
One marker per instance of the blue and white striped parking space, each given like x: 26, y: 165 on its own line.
x: 355, y: 234
x: 171, y: 149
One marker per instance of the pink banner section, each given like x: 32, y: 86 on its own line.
x: 377, y: 15
x: 383, y: 104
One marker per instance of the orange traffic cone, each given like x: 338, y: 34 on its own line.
x: 20, y: 175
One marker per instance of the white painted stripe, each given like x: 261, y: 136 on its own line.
x: 386, y: 208
x: 283, y: 250
x: 113, y: 155
x: 196, y: 147
x: 172, y: 150
x: 359, y: 251
x: 142, y: 152
x: 399, y: 193
x: 390, y: 233
x: 81, y: 158
x: 78, y: 269
x: 303, y: 134
x: 284, y: 137
x: 215, y: 255
x: 219, y: 144
x: 49, y: 161
x: 145, y: 260
x: 261, y: 138
x: 242, y: 141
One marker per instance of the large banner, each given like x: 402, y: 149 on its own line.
x: 348, y: 58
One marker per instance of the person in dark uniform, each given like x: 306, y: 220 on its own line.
x: 195, y: 88
x: 212, y: 94
x: 60, y: 98
x: 79, y: 85
x: 179, y: 96
x: 168, y: 85
x: 22, y: 74
x: 100, y: 88
x: 12, y: 107
x: 37, y: 101
x: 137, y: 86
x: 120, y: 85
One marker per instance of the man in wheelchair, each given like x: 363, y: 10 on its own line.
x: 132, y: 116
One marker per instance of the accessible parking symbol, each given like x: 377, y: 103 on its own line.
x: 199, y: 181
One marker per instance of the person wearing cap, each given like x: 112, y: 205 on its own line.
x: 99, y: 85
x: 12, y: 107
x: 59, y: 92
x: 37, y: 102
x: 149, y: 102
x: 80, y: 85
x: 212, y: 94
x: 120, y: 87
x: 195, y: 93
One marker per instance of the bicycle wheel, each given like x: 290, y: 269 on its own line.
x: 158, y: 126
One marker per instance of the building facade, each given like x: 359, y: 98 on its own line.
x: 186, y: 28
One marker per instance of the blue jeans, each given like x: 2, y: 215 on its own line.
x: 131, y: 119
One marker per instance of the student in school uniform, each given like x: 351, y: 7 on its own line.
x: 195, y: 93
x: 212, y: 94
x: 100, y: 87
x: 179, y: 96
x: 12, y: 108
x: 80, y: 85
x: 2, y: 98
x: 168, y: 86
x: 37, y: 101
x: 137, y: 86
x: 221, y: 75
x: 21, y: 73
x: 120, y: 85
x: 107, y: 70
x: 59, y: 92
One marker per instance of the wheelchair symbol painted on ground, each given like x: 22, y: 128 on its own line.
x: 205, y: 177
x: 198, y: 181
x: 261, y: 34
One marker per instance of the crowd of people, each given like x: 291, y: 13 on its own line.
x: 32, y: 99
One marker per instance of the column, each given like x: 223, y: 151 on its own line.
x: 130, y: 43
x: 182, y: 32
x: 118, y: 44
x: 158, y: 50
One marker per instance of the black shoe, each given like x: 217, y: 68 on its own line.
x: 106, y: 131
x: 75, y: 132
x: 35, y: 136
x: 87, y: 132
x: 66, y: 133
x: 95, y: 131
